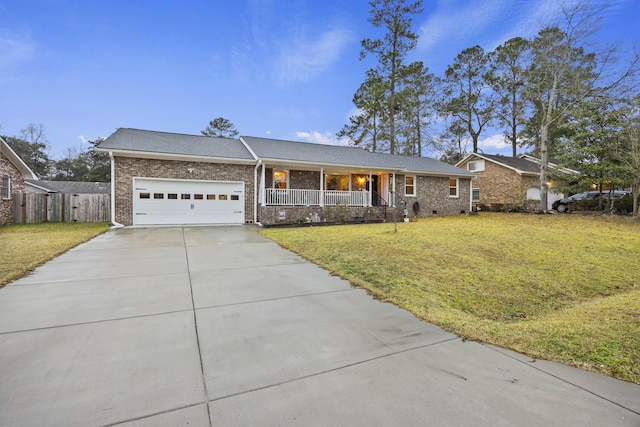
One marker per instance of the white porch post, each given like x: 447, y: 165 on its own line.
x: 370, y: 196
x: 321, y: 187
x: 262, y: 185
x: 393, y: 189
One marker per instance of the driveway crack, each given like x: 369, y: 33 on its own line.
x: 195, y: 323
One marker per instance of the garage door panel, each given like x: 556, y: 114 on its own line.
x: 187, y: 202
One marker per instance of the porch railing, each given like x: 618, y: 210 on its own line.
x: 293, y: 197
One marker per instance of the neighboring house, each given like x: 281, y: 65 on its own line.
x: 511, y: 183
x: 168, y: 178
x: 67, y: 187
x: 13, y: 172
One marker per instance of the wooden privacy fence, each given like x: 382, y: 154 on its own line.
x: 34, y: 208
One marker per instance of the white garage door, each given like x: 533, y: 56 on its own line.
x: 164, y: 201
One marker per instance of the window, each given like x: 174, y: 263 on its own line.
x: 280, y: 179
x: 336, y: 182
x: 158, y: 195
x: 475, y: 195
x: 453, y: 187
x: 211, y: 196
x: 198, y: 197
x: 172, y: 196
x: 185, y: 196
x: 6, y: 187
x: 475, y: 166
x: 145, y: 195
x: 235, y: 197
x: 222, y: 197
x: 409, y: 185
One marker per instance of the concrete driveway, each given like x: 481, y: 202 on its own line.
x: 220, y: 326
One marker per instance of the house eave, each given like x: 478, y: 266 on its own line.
x: 179, y: 157
x: 16, y: 161
x: 296, y: 164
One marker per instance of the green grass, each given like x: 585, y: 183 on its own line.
x: 557, y: 287
x: 24, y: 247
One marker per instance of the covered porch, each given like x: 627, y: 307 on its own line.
x: 280, y: 185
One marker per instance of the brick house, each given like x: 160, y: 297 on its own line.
x: 13, y: 172
x: 168, y: 178
x: 511, y: 183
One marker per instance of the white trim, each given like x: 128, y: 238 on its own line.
x: 6, y: 189
x: 182, y: 157
x: 115, y: 223
x: 415, y: 185
x: 16, y: 161
x: 457, y: 195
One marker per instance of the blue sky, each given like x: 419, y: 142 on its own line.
x: 278, y: 69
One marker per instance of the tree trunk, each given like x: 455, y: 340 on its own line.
x: 544, y: 163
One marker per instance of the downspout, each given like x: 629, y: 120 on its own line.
x: 257, y: 192
x: 471, y: 194
x: 115, y: 223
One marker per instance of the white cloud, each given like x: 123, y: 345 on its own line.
x: 494, y: 143
x: 487, y: 23
x: 326, y: 138
x: 303, y: 59
x: 82, y: 139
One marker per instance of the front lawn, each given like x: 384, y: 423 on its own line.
x: 26, y: 246
x: 557, y: 287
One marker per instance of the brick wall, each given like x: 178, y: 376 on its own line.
x: 432, y: 195
x: 300, y: 180
x: 127, y: 167
x: 17, y: 186
x: 502, y: 187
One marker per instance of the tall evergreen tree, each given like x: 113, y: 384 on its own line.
x: 220, y: 128
x: 398, y: 41
x: 467, y: 96
x: 510, y: 62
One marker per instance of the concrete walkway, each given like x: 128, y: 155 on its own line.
x: 220, y: 326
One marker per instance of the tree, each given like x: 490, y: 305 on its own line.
x: 466, y: 89
x: 392, y: 15
x: 366, y: 129
x: 220, y: 128
x: 415, y: 101
x: 631, y: 147
x: 563, y: 75
x: 88, y: 166
x: 32, y: 148
x: 594, y: 143
x: 511, y: 61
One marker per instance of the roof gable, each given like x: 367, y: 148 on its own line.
x: 16, y: 161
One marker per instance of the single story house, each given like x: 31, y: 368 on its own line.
x: 512, y: 183
x: 66, y: 187
x: 169, y: 178
x: 13, y: 172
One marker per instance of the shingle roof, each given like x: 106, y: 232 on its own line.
x: 125, y: 139
x: 346, y: 156
x: 330, y: 155
x: 515, y: 163
x: 71, y: 186
x: 273, y: 150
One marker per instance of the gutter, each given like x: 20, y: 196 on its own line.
x: 116, y: 225
x: 255, y: 192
